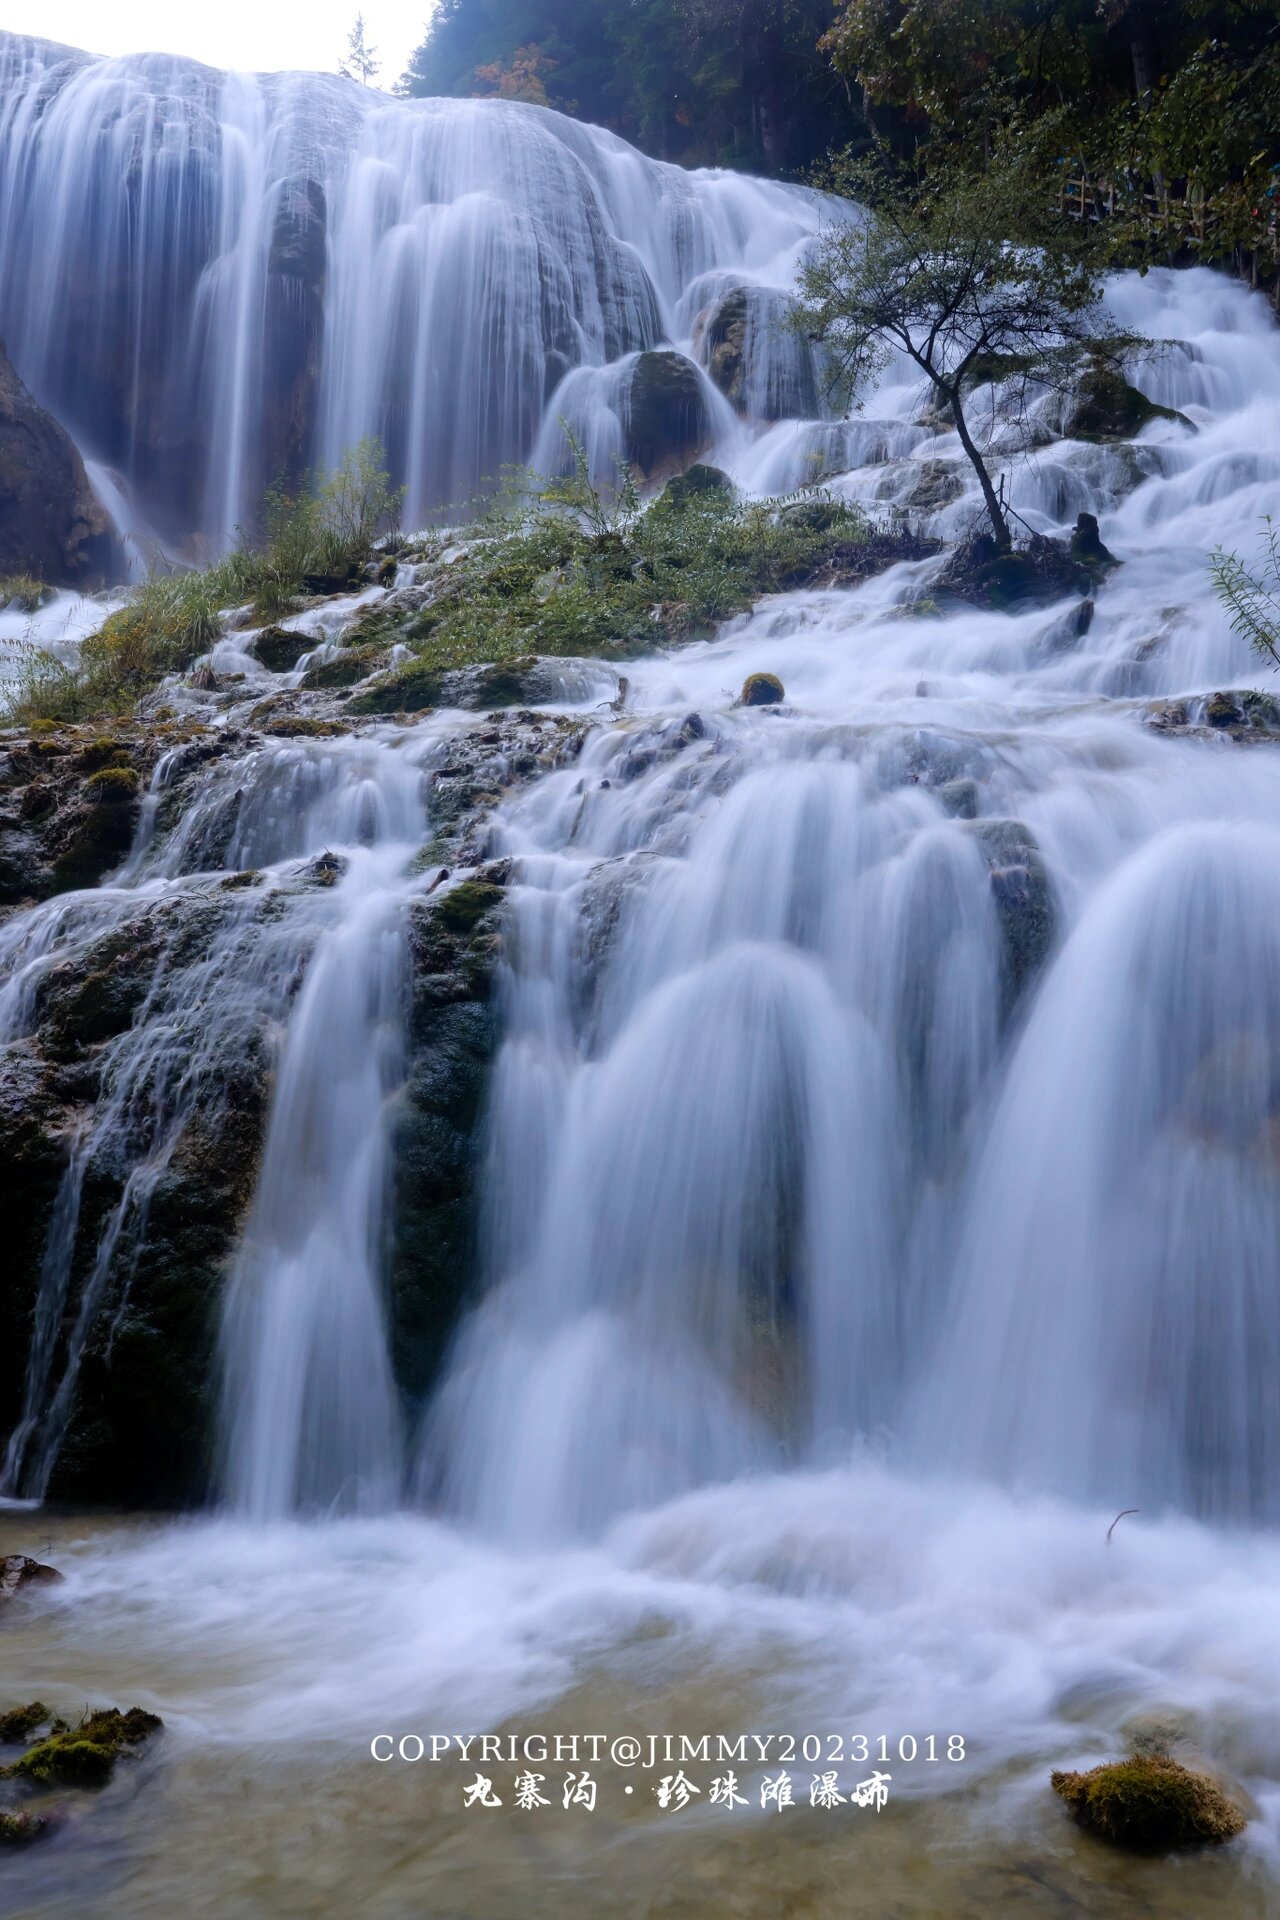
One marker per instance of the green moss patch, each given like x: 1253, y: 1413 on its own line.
x: 19, y: 1723
x: 84, y: 1755
x: 112, y: 786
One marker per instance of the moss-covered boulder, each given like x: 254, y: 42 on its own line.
x: 415, y: 687
x: 345, y: 668
x: 761, y: 690
x: 17, y: 1724
x: 18, y: 1828
x: 699, y: 482
x: 1104, y: 406
x: 1150, y: 1803
x: 667, y: 422
x: 280, y: 648
x: 84, y: 1755
x: 723, y: 333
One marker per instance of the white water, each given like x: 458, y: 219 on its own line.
x: 212, y: 277
x: 834, y: 1308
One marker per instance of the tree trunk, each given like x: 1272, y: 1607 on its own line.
x: 999, y: 525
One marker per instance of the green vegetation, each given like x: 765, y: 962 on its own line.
x: 737, y: 83
x: 317, y: 539
x: 571, y: 570
x: 1150, y: 1803
x: 23, y: 591
x: 1252, y: 599
x: 84, y: 1755
x: 1158, y: 122
x: 19, y: 1723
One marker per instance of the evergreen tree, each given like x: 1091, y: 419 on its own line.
x: 361, y: 62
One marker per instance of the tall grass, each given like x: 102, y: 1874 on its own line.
x: 323, y: 533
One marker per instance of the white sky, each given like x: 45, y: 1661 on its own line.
x: 260, y: 37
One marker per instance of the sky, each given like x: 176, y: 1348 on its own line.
x: 258, y: 36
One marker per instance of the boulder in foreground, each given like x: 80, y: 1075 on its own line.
x: 1150, y: 1803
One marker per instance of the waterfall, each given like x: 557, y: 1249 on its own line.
x: 313, y: 1411
x: 215, y: 280
x: 896, y: 1070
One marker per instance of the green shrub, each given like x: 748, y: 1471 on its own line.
x: 564, y: 568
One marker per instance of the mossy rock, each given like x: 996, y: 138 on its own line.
x: 412, y: 688
x: 1106, y: 407
x: 112, y: 786
x: 279, y: 649
x: 103, y: 752
x: 761, y: 690
x: 346, y: 668
x: 19, y: 1723
x: 465, y: 905
x: 724, y: 338
x: 84, y: 1756
x: 699, y: 482
x: 1150, y: 1803
x: 296, y: 726
x: 16, y: 1829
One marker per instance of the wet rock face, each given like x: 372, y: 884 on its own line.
x: 724, y: 340
x: 51, y: 523
x: 70, y: 800
x: 139, y: 1433
x: 1104, y: 406
x: 667, y: 420
x: 455, y: 944
x: 980, y: 575
x: 1023, y: 898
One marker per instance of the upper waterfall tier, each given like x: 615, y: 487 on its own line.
x: 218, y: 279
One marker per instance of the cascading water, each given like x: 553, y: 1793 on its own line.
x: 215, y: 279
x: 880, y: 1186
x: 731, y: 1165
x: 314, y: 1410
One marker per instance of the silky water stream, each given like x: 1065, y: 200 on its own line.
x: 837, y: 1294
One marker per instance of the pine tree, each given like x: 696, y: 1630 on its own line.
x: 361, y: 62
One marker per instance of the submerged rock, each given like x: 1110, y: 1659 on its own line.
x: 1150, y: 1803
x: 17, y: 1828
